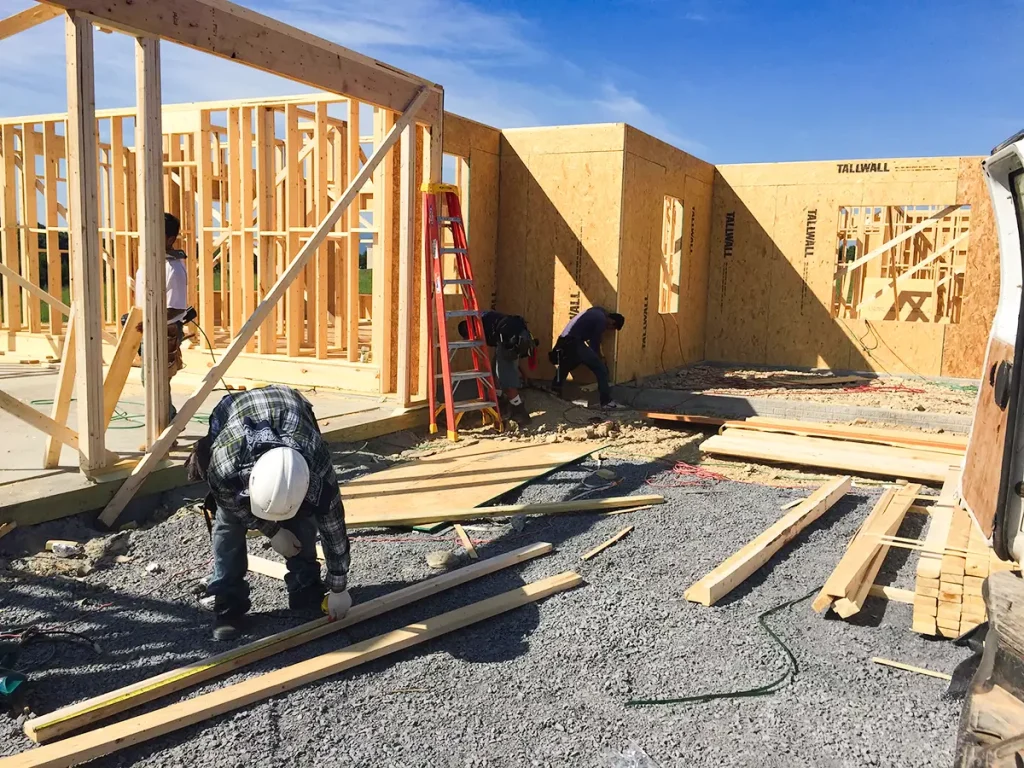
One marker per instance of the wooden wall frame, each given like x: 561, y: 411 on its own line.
x: 236, y: 33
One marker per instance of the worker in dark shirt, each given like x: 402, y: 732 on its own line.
x: 269, y: 470
x: 511, y: 341
x: 580, y: 344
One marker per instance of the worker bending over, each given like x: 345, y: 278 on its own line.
x: 512, y: 341
x: 580, y: 344
x: 269, y: 469
x: 176, y: 297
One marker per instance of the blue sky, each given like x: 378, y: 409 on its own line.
x: 728, y: 80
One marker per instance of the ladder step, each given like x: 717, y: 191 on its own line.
x: 457, y: 282
x: 464, y: 375
x: 464, y: 344
x: 454, y: 250
x: 463, y: 313
x: 474, y: 405
x: 450, y: 219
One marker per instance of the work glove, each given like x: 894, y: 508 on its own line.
x: 338, y: 604
x: 285, y: 543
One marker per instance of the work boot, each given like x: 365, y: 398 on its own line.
x: 230, y: 617
x: 307, y: 599
x: 520, y: 415
x: 227, y: 627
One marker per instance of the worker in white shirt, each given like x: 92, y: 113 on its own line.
x: 177, y: 296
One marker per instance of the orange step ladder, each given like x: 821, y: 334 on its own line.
x: 443, y: 213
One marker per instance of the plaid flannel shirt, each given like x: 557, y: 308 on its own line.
x: 243, y: 427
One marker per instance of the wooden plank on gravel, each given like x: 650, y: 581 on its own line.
x: 83, y: 713
x: 140, y: 729
x: 887, y: 524
x: 856, y: 458
x: 735, y: 569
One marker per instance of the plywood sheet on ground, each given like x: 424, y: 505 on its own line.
x: 457, y: 479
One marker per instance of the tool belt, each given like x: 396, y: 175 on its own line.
x: 174, y: 337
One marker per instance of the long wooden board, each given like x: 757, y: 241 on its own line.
x: 853, y: 576
x: 413, y: 517
x: 76, y: 716
x: 111, y: 738
x: 453, y: 480
x: 956, y: 444
x: 735, y: 569
x: 832, y: 454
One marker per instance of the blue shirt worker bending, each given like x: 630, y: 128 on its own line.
x: 580, y: 344
x: 269, y: 470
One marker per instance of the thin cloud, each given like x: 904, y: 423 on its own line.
x: 626, y: 108
x: 501, y: 76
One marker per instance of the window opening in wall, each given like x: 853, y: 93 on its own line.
x: 901, y: 262
x: 671, y: 255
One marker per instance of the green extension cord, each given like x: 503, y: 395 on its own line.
x: 792, y: 668
x: 124, y: 420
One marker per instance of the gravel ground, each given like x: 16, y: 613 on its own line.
x: 907, y: 393
x: 545, y: 685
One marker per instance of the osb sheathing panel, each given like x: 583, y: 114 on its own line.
x: 559, y: 230
x: 462, y: 135
x: 479, y: 144
x: 770, y: 286
x: 964, y: 351
x: 652, y: 342
x: 567, y: 139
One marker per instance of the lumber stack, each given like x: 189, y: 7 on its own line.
x: 954, y: 563
x: 849, y: 585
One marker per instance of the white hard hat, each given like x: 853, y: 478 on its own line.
x: 278, y: 484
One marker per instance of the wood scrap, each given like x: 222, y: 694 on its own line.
x: 76, y: 716
x: 735, y: 569
x: 910, y: 668
x: 467, y: 543
x: 893, y: 594
x: 6, y: 528
x: 816, y: 381
x: 604, y: 545
x: 111, y: 738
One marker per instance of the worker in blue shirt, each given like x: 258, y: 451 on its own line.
x: 580, y: 344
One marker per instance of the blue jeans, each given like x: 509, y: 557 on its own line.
x: 572, y: 353
x: 231, y: 562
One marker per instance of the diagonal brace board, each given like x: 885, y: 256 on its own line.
x: 121, y: 363
x: 188, y: 409
x: 915, y: 269
x: 77, y: 716
x: 111, y: 738
x: 62, y: 395
x: 735, y: 569
x: 27, y: 19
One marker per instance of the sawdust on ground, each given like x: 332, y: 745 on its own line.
x: 910, y: 393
